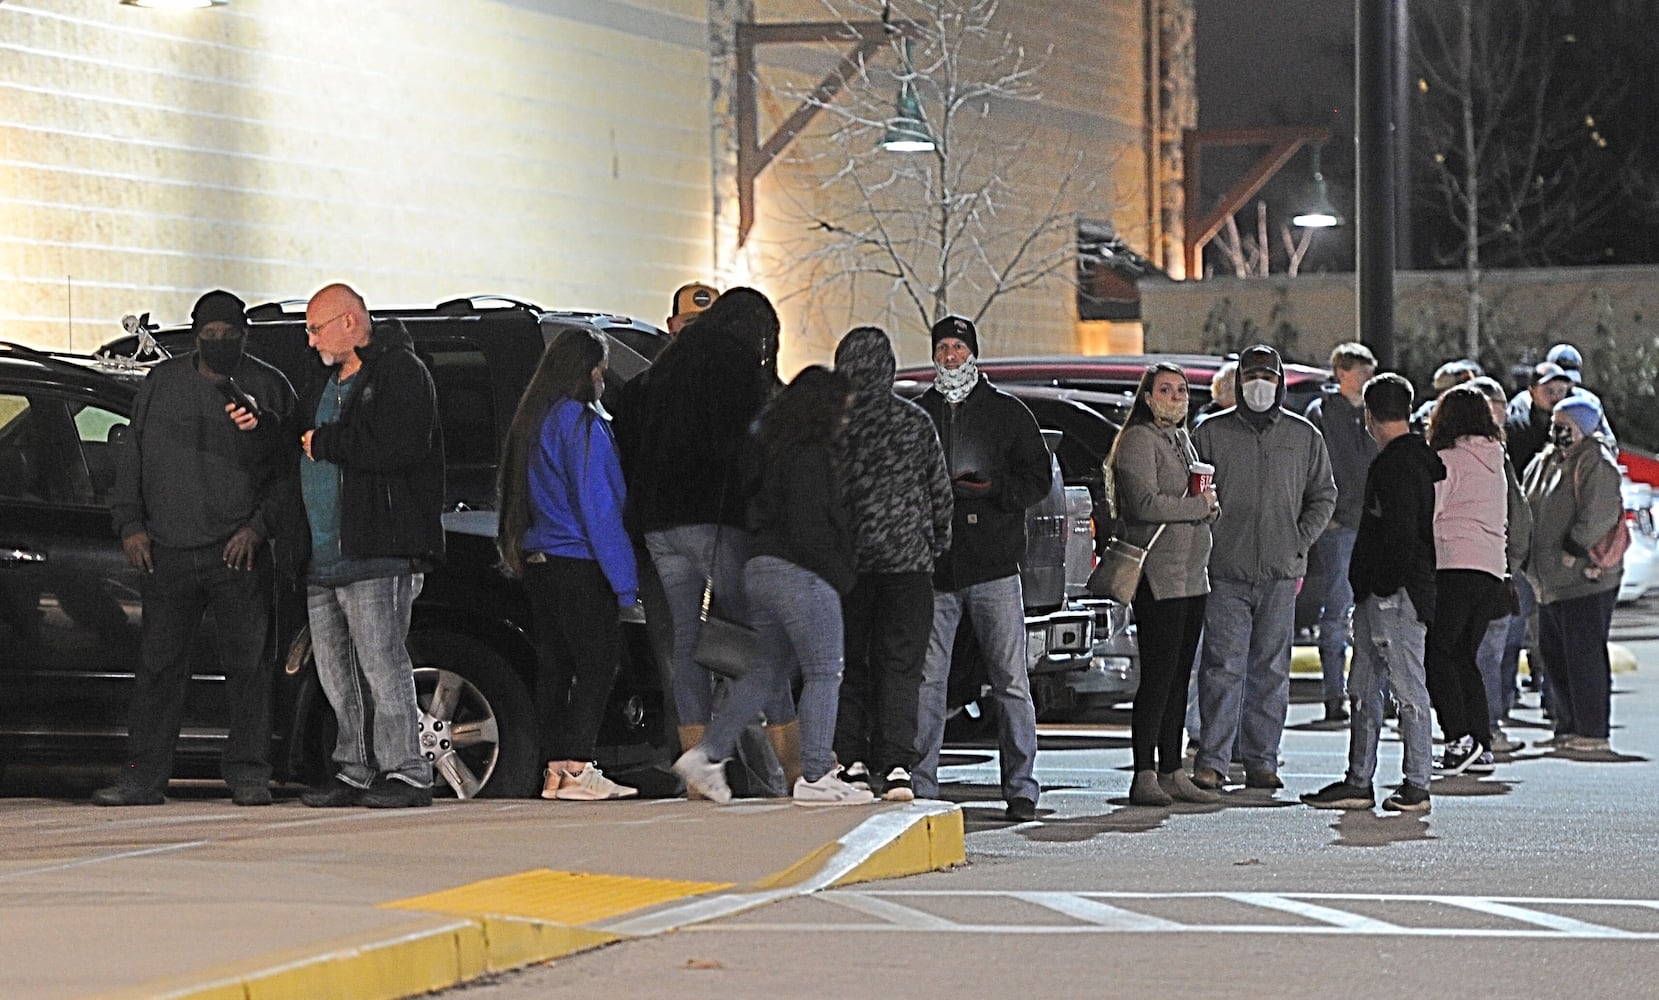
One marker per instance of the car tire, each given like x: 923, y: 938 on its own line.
x: 465, y: 687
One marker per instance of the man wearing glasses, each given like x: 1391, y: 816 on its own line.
x: 373, y: 480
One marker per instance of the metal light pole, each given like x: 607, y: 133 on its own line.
x: 1374, y: 26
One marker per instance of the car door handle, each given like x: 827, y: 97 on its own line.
x: 13, y: 554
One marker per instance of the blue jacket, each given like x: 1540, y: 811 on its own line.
x: 576, y: 496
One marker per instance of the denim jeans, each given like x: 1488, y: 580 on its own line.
x: 1573, y: 634
x: 1490, y: 659
x: 1389, y: 643
x: 1244, y: 677
x: 1517, y: 639
x: 186, y: 584
x: 798, y: 617
x: 681, y: 555
x: 997, y: 609
x: 358, y: 632
x: 1332, y: 553
x: 888, y: 617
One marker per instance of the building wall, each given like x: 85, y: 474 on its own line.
x: 553, y: 150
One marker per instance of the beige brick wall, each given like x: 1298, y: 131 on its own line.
x: 420, y: 149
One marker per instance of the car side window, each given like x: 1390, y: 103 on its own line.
x: 40, y: 457
x: 466, y: 401
x: 101, y: 434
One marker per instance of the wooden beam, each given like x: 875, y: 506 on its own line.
x: 1201, y: 227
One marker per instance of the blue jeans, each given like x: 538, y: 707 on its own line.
x: 1244, y: 677
x: 681, y: 555
x: 798, y: 616
x: 1332, y: 553
x: 997, y: 608
x: 1490, y: 660
x: 1517, y: 639
x: 358, y: 632
x: 1389, y: 643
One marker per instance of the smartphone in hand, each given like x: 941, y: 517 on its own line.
x: 234, y: 393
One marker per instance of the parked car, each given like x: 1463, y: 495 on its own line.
x: 1641, y: 559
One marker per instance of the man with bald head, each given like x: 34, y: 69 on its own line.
x: 373, y: 479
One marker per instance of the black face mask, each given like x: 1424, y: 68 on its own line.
x: 1561, y: 437
x: 221, y: 355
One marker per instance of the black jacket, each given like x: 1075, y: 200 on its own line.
x: 991, y: 436
x: 799, y: 513
x: 1394, y: 548
x: 389, y: 446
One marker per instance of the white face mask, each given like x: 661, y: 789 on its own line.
x: 1260, y: 394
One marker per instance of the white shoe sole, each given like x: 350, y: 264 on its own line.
x: 859, y: 801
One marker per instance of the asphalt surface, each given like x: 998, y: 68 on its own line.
x: 1538, y: 880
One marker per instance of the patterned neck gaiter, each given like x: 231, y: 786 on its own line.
x: 955, y: 385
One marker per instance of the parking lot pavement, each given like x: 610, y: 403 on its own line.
x: 199, y: 898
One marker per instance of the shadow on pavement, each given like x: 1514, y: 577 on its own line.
x: 1075, y: 829
x: 1469, y: 786
x: 1364, y: 828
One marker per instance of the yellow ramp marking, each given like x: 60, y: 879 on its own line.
x: 571, y: 898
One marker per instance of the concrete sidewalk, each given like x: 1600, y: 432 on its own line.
x: 201, y: 899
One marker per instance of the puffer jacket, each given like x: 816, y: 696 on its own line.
x: 1151, y: 468
x: 1567, y: 519
x: 894, y: 469
x: 1471, y: 506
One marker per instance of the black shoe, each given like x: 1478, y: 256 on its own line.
x: 1341, y: 795
x: 1334, y: 712
x: 1020, y: 810
x: 250, y: 795
x: 335, y: 794
x: 1459, y: 756
x: 1262, y: 779
x: 128, y: 795
x: 1409, y: 798
x: 896, y: 786
x: 395, y: 794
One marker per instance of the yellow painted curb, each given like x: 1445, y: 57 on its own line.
x: 933, y: 843
x: 1304, y: 660
x: 554, y: 897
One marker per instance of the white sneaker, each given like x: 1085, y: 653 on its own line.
x: 706, y: 777
x: 590, y: 785
x: 830, y: 790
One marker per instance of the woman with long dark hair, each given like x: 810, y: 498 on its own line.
x: 1150, y: 469
x: 801, y: 562
x: 561, y: 498
x: 1470, y: 514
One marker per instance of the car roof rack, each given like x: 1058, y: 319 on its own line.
x: 276, y: 310
x: 472, y: 304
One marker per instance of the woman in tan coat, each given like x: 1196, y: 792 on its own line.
x: 1150, y: 468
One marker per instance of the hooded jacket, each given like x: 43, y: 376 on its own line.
x: 1350, y: 446
x: 1273, y: 478
x: 894, y: 468
x: 1394, y: 548
x: 992, y: 436
x: 1471, y: 506
x: 1575, y: 499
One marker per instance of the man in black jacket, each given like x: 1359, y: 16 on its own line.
x: 998, y: 466
x: 373, y: 479
x: 1392, y: 572
x: 200, y: 485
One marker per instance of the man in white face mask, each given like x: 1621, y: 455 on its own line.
x: 1273, y: 478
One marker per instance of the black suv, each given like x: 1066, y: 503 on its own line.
x: 69, y: 604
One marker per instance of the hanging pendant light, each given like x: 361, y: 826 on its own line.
x: 907, y: 132
x: 1321, y: 214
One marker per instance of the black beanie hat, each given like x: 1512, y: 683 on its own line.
x: 960, y: 328
x: 219, y: 306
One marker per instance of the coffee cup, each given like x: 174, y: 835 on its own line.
x: 1200, y: 477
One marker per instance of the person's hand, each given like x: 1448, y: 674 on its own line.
x: 1214, y: 504
x: 242, y: 548
x: 1568, y: 560
x: 305, y: 443
x: 245, y: 421
x: 970, y: 486
x: 137, y: 548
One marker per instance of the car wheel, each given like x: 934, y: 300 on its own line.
x: 476, y: 724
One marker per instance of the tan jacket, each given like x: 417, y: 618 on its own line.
x: 1565, y: 525
x: 1151, y: 483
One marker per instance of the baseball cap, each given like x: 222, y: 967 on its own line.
x: 1567, y: 356
x: 1548, y: 371
x: 1455, y: 373
x: 1260, y: 358
x: 689, y: 300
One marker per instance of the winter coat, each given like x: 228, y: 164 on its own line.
x: 1394, y: 548
x: 897, y: 488
x: 1471, y: 506
x: 1351, y: 448
x: 1151, y: 468
x: 1273, y: 477
x: 992, y: 436
x: 798, y: 513
x: 389, y: 446
x: 1567, y: 519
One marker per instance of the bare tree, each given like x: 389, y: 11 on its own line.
x: 954, y: 229
x: 1251, y: 256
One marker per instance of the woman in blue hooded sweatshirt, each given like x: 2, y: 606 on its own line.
x: 561, y: 532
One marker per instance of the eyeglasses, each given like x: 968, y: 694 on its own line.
x: 314, y: 330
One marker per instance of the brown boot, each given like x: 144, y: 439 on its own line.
x: 690, y: 736
x: 786, y: 744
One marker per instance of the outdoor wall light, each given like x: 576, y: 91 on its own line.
x: 1321, y: 214
x: 174, y: 4
x: 908, y: 132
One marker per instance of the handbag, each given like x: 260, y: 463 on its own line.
x: 1608, y: 550
x: 723, y: 646
x: 1118, y: 574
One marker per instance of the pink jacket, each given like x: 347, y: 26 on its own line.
x: 1471, y: 507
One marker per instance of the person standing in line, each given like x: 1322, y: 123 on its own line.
x: 560, y: 530
x: 1573, y: 487
x: 1527, y: 427
x: 1572, y: 362
x: 1273, y: 477
x: 901, y: 504
x: 1151, y: 462
x: 373, y: 480
x: 690, y: 301
x: 1497, y: 672
x: 801, y: 563
x: 998, y: 466
x: 1339, y: 414
x: 200, y: 484
x: 1470, y: 514
x: 1393, y: 575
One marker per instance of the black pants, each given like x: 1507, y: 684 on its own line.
x: 1465, y: 602
x: 1573, y: 634
x: 1168, y: 632
x: 886, y: 620
x: 186, y: 585
x: 578, y: 649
